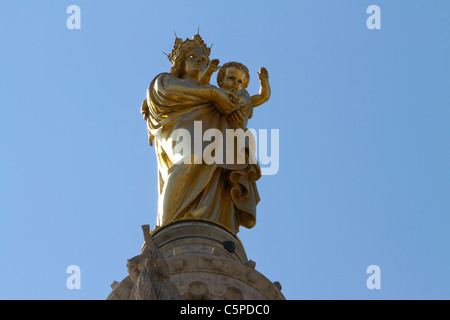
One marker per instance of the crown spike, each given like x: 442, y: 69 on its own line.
x: 180, y: 46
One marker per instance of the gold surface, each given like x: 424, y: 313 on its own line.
x: 223, y: 193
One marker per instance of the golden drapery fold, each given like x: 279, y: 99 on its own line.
x: 224, y: 193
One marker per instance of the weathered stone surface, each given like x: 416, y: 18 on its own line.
x: 202, y: 269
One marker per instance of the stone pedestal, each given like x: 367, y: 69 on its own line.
x: 206, y: 262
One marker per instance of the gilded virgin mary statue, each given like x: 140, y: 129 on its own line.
x: 182, y: 109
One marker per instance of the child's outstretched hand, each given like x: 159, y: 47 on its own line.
x: 263, y: 74
x: 214, y: 65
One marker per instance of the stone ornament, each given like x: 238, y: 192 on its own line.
x: 150, y: 273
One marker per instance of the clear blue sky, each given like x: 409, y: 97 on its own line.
x: 363, y: 116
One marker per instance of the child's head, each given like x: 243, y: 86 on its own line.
x: 233, y: 76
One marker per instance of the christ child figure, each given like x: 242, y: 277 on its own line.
x: 234, y: 76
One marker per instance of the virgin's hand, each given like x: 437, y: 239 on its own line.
x: 223, y: 99
x: 237, y: 117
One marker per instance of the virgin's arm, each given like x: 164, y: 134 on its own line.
x: 176, y: 88
x: 183, y: 89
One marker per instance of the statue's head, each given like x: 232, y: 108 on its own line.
x: 189, y: 57
x: 233, y: 76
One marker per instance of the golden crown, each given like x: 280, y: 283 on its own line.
x: 180, y: 47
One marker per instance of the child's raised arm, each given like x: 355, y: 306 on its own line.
x: 264, y: 91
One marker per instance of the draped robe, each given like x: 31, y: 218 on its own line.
x: 223, y: 193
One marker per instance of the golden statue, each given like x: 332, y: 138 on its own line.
x: 184, y: 101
